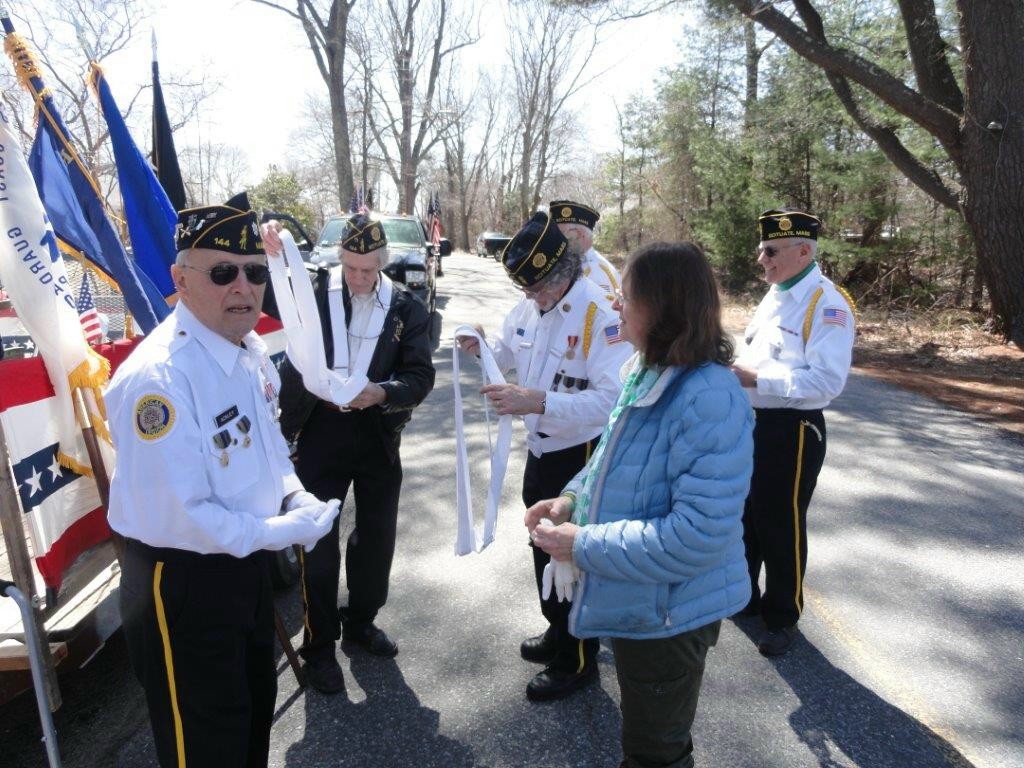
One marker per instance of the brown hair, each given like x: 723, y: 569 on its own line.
x: 675, y: 286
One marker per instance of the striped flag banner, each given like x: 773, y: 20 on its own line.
x: 62, y: 507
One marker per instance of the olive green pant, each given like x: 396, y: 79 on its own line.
x: 660, y: 682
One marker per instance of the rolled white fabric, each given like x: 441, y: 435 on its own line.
x: 296, y: 303
x: 469, y: 538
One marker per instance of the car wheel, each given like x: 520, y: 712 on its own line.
x: 284, y: 568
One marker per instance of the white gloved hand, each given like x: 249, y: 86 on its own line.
x: 304, y: 525
x: 301, y: 499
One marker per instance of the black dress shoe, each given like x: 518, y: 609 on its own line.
x: 325, y: 675
x: 554, y: 683
x: 753, y: 608
x: 775, y: 642
x: 540, y: 649
x: 371, y: 639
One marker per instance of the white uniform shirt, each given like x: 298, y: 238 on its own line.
x: 200, y: 457
x: 597, y: 268
x: 359, y: 322
x: 790, y: 373
x: 547, y: 352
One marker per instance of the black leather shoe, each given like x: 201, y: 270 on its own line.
x: 371, y: 639
x: 554, y: 683
x: 775, y: 642
x: 753, y: 608
x: 540, y: 649
x: 325, y: 675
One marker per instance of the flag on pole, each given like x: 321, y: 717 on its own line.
x: 357, y: 203
x: 33, y: 274
x: 88, y: 317
x: 164, y: 157
x: 72, y: 200
x: 434, y: 219
x: 151, y: 217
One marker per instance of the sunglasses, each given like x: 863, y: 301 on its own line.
x: 772, y: 251
x: 225, y: 274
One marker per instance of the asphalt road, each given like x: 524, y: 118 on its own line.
x: 912, y: 646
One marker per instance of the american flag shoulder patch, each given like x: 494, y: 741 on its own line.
x: 834, y: 316
x: 611, y: 334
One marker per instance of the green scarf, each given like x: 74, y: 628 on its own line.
x: 638, y: 384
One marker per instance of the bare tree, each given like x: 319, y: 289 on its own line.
x: 548, y: 64
x: 465, y: 165
x: 213, y: 171
x: 417, y: 38
x: 326, y: 28
x: 64, y: 34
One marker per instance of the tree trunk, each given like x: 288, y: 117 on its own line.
x: 993, y: 143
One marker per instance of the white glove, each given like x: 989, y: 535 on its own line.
x: 561, y: 574
x: 304, y: 525
x: 301, y: 499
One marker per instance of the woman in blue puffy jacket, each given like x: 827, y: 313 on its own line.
x: 652, y: 526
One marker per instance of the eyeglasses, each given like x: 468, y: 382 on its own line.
x: 225, y: 274
x: 772, y: 251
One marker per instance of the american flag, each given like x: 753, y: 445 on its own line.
x: 357, y: 203
x: 835, y: 317
x: 87, y: 314
x: 434, y: 219
x: 611, y: 334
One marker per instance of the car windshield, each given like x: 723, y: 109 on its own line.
x: 398, y: 232
x: 332, y: 232
x: 403, y: 232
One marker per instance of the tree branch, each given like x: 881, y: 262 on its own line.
x: 939, y: 121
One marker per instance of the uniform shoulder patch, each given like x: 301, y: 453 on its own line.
x: 154, y: 417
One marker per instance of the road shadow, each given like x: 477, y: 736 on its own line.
x: 388, y: 727
x: 842, y: 721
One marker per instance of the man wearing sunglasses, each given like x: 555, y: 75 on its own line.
x: 201, y: 486
x: 376, y: 328
x: 794, y: 362
x: 563, y: 340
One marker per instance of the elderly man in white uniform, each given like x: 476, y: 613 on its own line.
x: 794, y: 363
x: 577, y: 221
x: 563, y: 341
x: 202, y: 486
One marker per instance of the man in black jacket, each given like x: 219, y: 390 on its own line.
x: 377, y: 328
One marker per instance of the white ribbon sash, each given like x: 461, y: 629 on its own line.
x: 469, y: 538
x: 296, y: 303
x: 373, y: 329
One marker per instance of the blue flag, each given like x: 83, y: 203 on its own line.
x: 151, y: 217
x: 71, y: 199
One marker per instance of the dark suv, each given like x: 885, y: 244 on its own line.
x: 412, y: 258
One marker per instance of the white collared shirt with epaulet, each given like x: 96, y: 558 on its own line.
x: 800, y: 342
x: 601, y: 271
x: 200, y: 456
x: 574, y: 353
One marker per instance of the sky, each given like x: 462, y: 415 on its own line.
x: 260, y: 60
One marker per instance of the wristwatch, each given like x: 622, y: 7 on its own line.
x: 543, y: 405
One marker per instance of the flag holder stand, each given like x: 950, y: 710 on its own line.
x: 21, y: 573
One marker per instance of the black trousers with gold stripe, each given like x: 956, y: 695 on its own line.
x: 544, y: 478
x: 789, y: 450
x: 336, y: 452
x: 200, y: 635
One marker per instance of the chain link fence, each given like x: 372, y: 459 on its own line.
x: 108, y: 300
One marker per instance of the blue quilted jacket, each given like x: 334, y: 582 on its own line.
x: 663, y: 552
